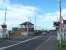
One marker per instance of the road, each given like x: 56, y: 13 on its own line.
x: 49, y: 44
x: 28, y: 44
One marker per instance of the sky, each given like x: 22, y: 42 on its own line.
x: 19, y: 11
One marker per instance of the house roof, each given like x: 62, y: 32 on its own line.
x: 25, y: 23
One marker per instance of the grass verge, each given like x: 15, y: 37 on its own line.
x: 63, y: 46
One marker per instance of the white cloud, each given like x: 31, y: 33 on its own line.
x: 16, y: 14
x: 48, y: 18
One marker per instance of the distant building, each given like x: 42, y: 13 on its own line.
x: 14, y: 29
x: 26, y: 28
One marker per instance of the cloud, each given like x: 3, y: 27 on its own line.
x: 16, y: 14
x: 47, y: 19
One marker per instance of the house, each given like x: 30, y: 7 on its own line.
x: 26, y: 28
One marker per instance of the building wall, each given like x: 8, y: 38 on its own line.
x: 18, y: 33
x: 26, y: 33
x: 27, y: 26
x: 23, y: 30
x: 14, y: 29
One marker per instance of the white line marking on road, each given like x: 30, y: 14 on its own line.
x: 19, y: 43
x: 13, y: 41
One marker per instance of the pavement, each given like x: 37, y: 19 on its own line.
x: 49, y: 44
x: 41, y: 42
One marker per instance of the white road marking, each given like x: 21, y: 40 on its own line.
x: 13, y: 41
x: 19, y: 43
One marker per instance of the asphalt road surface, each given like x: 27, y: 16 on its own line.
x: 28, y: 44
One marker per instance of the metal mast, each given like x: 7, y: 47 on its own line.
x: 4, y: 26
x: 35, y: 22
x: 60, y: 18
x: 5, y: 16
x: 61, y: 23
x: 27, y: 24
